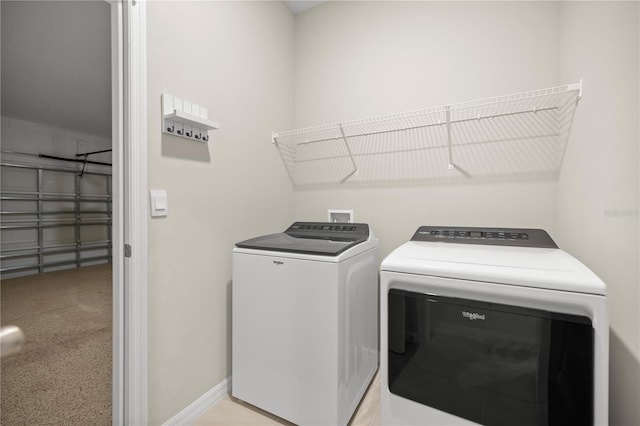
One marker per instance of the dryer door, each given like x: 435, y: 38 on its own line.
x: 490, y: 363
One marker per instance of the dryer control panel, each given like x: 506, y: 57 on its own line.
x: 519, y: 237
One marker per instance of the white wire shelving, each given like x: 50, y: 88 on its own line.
x: 523, y: 134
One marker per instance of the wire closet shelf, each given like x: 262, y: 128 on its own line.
x: 523, y: 134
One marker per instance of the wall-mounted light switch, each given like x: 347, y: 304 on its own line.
x: 159, y: 203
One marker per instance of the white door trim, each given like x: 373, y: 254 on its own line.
x: 117, y: 191
x: 129, y: 112
x: 135, y: 230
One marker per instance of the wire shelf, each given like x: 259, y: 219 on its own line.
x: 520, y: 134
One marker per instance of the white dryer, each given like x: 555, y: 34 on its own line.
x: 305, y: 321
x: 492, y: 327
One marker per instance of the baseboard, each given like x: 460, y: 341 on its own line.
x: 200, y: 405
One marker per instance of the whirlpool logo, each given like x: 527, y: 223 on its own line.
x: 278, y: 262
x: 473, y: 316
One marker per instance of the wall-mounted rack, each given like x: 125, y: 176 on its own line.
x: 519, y: 134
x: 185, y: 119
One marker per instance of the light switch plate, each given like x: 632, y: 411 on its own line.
x: 159, y: 203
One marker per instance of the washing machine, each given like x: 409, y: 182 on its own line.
x: 494, y: 327
x: 305, y: 321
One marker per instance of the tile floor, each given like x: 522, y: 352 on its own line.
x: 231, y: 411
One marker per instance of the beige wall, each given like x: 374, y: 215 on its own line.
x: 349, y: 60
x: 395, y: 213
x: 235, y: 58
x: 387, y: 57
x: 598, y: 188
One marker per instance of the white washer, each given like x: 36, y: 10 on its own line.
x: 492, y: 327
x: 305, y: 321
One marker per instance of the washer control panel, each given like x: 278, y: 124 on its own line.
x: 328, y: 230
x: 322, y: 227
x: 487, y: 236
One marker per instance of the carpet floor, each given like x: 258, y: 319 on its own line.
x: 63, y: 374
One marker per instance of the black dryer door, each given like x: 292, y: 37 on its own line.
x: 489, y: 363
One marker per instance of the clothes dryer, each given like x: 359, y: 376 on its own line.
x: 492, y: 327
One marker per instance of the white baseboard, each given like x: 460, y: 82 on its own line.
x: 200, y: 405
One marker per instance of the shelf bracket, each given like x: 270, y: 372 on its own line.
x: 346, y: 144
x: 576, y: 86
x: 448, y: 116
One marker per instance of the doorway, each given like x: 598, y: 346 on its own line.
x: 129, y: 206
x: 57, y: 204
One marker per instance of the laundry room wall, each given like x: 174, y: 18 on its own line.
x: 236, y: 59
x: 599, y: 184
x: 361, y: 59
x: 386, y: 57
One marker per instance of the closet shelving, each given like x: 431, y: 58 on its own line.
x: 523, y: 134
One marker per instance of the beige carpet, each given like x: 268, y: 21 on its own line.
x: 63, y: 375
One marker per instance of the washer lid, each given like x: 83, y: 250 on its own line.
x: 522, y: 266
x: 327, y: 239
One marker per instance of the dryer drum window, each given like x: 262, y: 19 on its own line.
x: 490, y: 363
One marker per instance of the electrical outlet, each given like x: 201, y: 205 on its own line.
x: 341, y: 216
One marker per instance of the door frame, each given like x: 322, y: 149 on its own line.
x: 129, y: 140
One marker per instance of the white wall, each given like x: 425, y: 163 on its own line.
x: 598, y: 188
x: 236, y: 59
x: 358, y: 59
